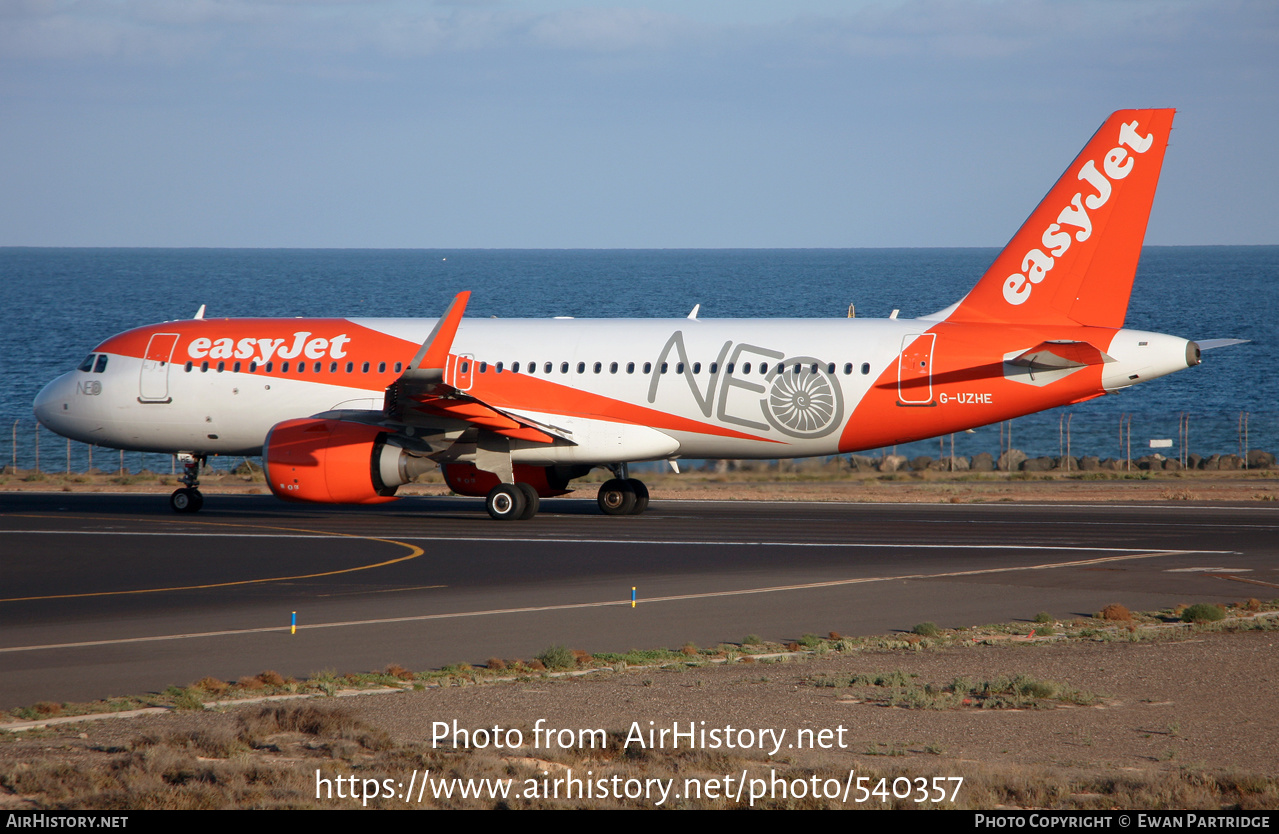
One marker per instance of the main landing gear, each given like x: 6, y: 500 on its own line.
x: 189, y: 499
x: 512, y: 502
x: 622, y: 494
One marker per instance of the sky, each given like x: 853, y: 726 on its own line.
x: 628, y: 124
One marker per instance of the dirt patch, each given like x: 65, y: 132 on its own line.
x: 1146, y: 719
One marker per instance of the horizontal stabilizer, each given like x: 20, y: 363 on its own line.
x: 1209, y: 344
x: 1057, y: 355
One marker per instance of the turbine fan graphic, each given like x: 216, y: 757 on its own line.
x: 804, y: 400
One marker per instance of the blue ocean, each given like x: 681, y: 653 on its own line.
x: 59, y: 303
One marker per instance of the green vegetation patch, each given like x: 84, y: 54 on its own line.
x: 899, y: 689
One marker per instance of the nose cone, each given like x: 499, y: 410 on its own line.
x: 56, y: 407
x: 49, y: 401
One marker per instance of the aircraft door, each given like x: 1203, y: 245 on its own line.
x: 463, y: 367
x: 915, y: 370
x: 153, y: 382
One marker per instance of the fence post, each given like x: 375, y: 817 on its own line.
x: 37, y: 447
x: 1069, y: 458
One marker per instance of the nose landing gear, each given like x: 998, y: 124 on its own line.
x: 189, y: 499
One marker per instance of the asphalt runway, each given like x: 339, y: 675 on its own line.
x: 106, y: 595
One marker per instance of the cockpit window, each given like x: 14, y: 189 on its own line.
x: 102, y: 364
x: 87, y: 364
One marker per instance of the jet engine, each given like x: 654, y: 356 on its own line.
x: 336, y: 462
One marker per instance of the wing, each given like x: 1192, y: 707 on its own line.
x: 422, y: 398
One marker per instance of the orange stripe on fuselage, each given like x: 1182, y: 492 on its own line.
x: 969, y: 387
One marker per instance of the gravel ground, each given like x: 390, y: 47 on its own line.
x: 1176, y: 707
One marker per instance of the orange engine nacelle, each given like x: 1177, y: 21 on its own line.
x: 335, y: 462
x: 465, y: 479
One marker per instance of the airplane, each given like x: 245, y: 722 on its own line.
x: 346, y: 410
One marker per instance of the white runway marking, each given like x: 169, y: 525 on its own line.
x: 605, y: 603
x: 645, y: 542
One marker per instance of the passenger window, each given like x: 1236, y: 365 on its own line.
x: 87, y: 364
x: 333, y: 367
x: 648, y: 367
x: 399, y: 366
x: 318, y: 367
x: 484, y: 367
x: 221, y: 367
x: 466, y: 367
x: 581, y: 367
x: 746, y: 367
x: 548, y: 367
x: 188, y: 367
x: 598, y: 367
x: 253, y: 366
x: 366, y: 367
x: 236, y: 367
x: 563, y: 367
x: 814, y: 368
x: 763, y: 368
x: 350, y: 366
x: 204, y: 367
x: 697, y: 367
x: 663, y: 367
x: 714, y: 367
x: 101, y: 364
x: 381, y: 367
x: 612, y: 367
x: 270, y: 366
x: 830, y: 369
x: 848, y: 368
x: 301, y: 367
x: 865, y: 368
x: 284, y: 368
x: 679, y: 367
x: 515, y: 367
x: 630, y: 367
x: 498, y: 367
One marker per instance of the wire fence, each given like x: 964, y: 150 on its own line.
x: 1121, y: 437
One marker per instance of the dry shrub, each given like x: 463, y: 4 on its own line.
x: 46, y: 709
x: 251, y: 683
x: 212, y: 685
x: 320, y: 721
x: 747, y: 659
x: 581, y: 657
x: 270, y: 678
x: 395, y: 670
x: 497, y: 664
x: 835, y: 635
x: 537, y: 666
x: 792, y: 647
x: 689, y: 650
x: 1253, y: 605
x: 1115, y: 613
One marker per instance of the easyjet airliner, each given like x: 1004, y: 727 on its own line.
x: 348, y: 410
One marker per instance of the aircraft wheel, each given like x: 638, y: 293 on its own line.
x: 641, y: 495
x: 186, y: 500
x: 616, y: 497
x: 532, y: 502
x: 506, y: 502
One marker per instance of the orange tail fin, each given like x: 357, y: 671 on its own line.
x: 1074, y: 259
